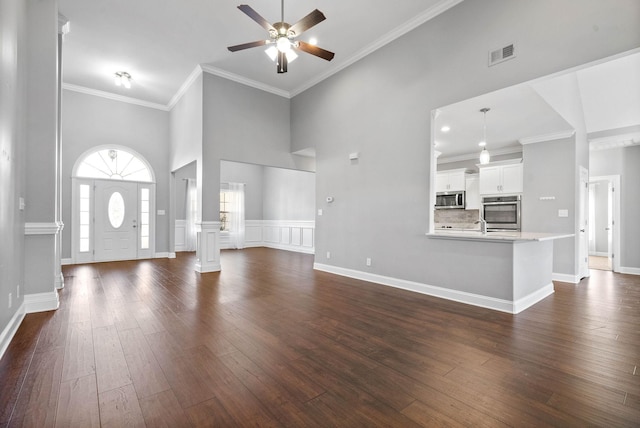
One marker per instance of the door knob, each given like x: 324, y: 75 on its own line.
x: 581, y: 230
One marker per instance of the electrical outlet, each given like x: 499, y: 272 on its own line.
x: 368, y: 261
x: 328, y: 254
x: 10, y: 300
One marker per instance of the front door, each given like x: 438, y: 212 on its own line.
x: 116, y: 216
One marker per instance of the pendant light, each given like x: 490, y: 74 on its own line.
x: 485, y: 157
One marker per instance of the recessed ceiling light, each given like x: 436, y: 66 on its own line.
x: 445, y: 128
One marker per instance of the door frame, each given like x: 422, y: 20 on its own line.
x: 89, y: 256
x: 614, y: 181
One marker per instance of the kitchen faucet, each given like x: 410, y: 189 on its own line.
x: 483, y: 225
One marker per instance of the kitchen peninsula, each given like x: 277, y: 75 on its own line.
x: 505, y: 271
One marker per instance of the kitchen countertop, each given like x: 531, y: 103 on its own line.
x: 476, y: 235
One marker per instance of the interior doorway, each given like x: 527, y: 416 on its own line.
x: 604, y: 222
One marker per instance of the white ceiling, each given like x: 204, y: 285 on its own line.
x: 160, y: 43
x: 609, y: 100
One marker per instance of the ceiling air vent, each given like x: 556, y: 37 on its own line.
x: 500, y: 55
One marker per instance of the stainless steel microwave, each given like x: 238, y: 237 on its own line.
x: 450, y: 200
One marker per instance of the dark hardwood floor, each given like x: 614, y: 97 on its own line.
x: 270, y: 342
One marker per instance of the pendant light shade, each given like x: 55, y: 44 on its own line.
x: 485, y: 156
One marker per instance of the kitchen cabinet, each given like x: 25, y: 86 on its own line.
x: 502, y: 178
x: 472, y: 187
x: 451, y: 181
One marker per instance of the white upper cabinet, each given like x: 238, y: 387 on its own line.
x: 473, y: 192
x: 505, y: 178
x: 451, y: 181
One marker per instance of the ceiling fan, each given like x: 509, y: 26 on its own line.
x: 282, y: 37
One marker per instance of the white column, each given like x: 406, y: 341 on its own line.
x: 208, y: 246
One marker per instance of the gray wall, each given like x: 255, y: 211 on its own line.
x: 626, y: 163
x: 13, y: 144
x: 252, y: 177
x: 289, y: 194
x: 549, y: 170
x: 181, y: 176
x: 273, y: 193
x: 380, y: 107
x: 89, y: 121
x: 241, y: 124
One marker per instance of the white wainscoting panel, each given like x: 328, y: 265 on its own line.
x: 253, y: 233
x: 180, y: 233
x: 290, y: 235
x: 287, y: 235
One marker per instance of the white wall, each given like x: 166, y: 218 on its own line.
x: 89, y: 121
x: 13, y: 144
x: 380, y: 107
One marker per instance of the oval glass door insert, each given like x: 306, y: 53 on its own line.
x: 116, y: 210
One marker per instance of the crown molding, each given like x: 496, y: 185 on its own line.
x: 472, y: 156
x: 411, y: 24
x: 185, y: 87
x: 615, y: 141
x: 243, y: 80
x: 547, y: 137
x: 114, y: 97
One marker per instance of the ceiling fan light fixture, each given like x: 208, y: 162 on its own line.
x: 272, y: 52
x: 283, y: 44
x: 122, y: 78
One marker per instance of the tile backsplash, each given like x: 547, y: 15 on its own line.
x: 455, y: 217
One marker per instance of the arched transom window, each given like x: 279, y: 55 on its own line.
x: 114, y: 164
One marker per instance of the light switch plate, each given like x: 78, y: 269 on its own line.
x: 319, y: 211
x: 563, y: 213
x: 161, y: 212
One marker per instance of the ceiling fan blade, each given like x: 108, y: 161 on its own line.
x: 307, y: 22
x: 282, y: 62
x: 248, y: 45
x: 248, y: 10
x: 314, y: 50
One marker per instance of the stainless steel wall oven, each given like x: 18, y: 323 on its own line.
x: 502, y: 212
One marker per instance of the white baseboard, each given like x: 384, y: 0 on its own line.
x: 164, y: 255
x: 41, y: 302
x: 533, y: 298
x: 59, y: 281
x: 296, y: 249
x: 630, y: 270
x: 563, y: 277
x: 10, y: 330
x: 64, y: 262
x: 444, y: 293
x: 599, y: 254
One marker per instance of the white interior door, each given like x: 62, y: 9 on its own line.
x: 583, y: 226
x: 116, y: 217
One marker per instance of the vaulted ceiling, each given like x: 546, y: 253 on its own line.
x: 160, y: 43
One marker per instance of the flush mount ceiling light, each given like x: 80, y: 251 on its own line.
x: 282, y: 37
x: 122, y: 78
x: 485, y: 157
